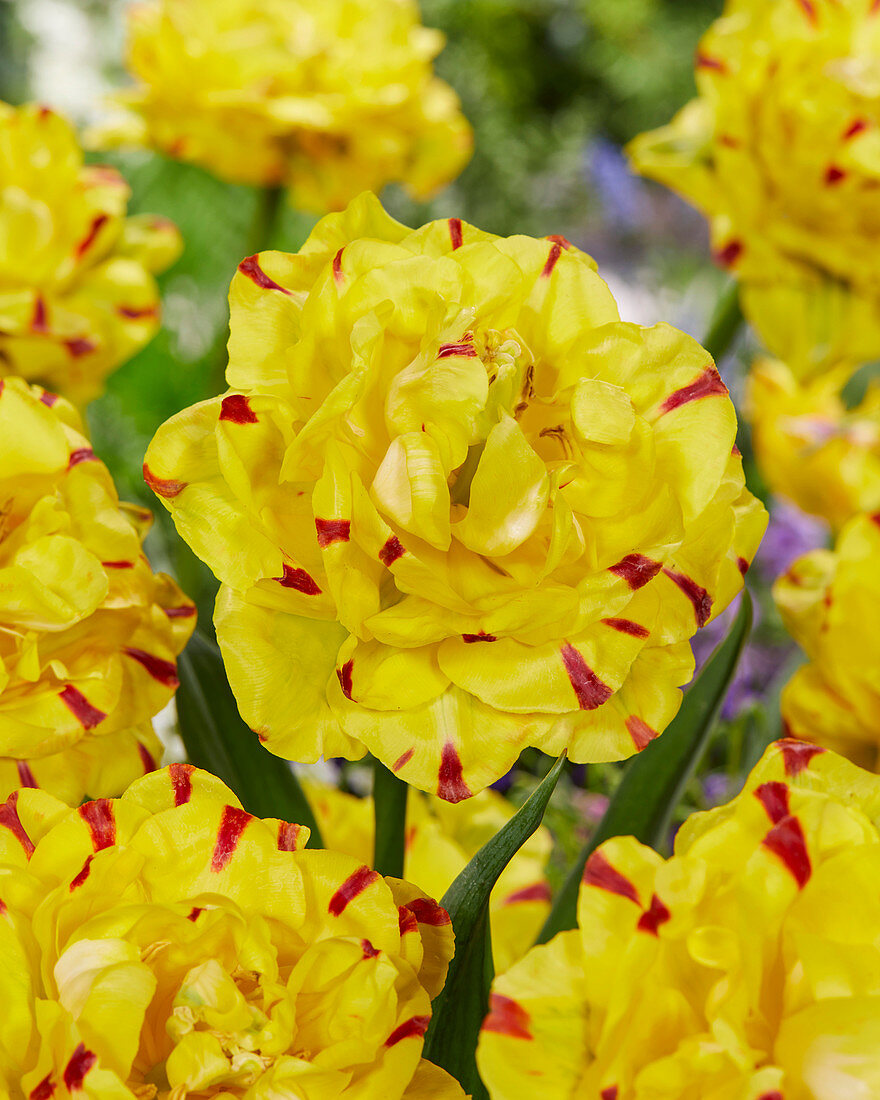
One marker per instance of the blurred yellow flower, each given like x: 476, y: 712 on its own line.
x: 168, y: 944
x: 457, y: 507
x: 781, y: 151
x: 811, y: 448
x: 745, y: 967
x: 830, y: 603
x: 440, y: 840
x: 325, y: 98
x: 77, y: 293
x: 88, y: 634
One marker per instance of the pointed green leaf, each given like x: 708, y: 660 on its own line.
x: 652, y: 785
x: 461, y: 1007
x: 217, y: 740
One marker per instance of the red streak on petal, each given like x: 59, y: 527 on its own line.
x: 796, y: 755
x: 455, y: 232
x: 344, y: 676
x: 46, y: 397
x: 742, y: 565
x: 627, y: 626
x: 736, y: 452
x: 138, y: 313
x: 413, y: 1028
x: 25, y: 775
x: 39, y: 322
x: 834, y: 174
x: 557, y: 238
x: 427, y: 911
x: 809, y: 9
x: 391, y: 551
x: 552, y: 257
x: 10, y: 820
x: 181, y: 782
x: 195, y: 913
x: 164, y: 672
x: 775, y: 1094
x: 337, y: 267
x: 82, y: 710
x: 164, y: 487
x: 774, y: 798
x: 332, y: 530
x: 640, y: 732
x: 599, y: 873
x: 786, y: 840
x: 539, y: 892
x: 728, y: 254
x: 83, y: 874
x: 369, y: 951
x: 402, y: 760
x: 232, y: 824
x: 118, y: 564
x: 82, y: 454
x: 481, y: 637
x: 855, y: 127
x: 451, y: 786
x: 355, y: 884
x: 636, y: 570
x: 44, y: 1089
x: 287, y: 836
x: 80, y: 346
x: 236, y: 408
x: 406, y: 920
x: 609, y: 1094
x: 179, y: 612
x: 507, y: 1017
x: 729, y: 140
x: 704, y: 61
x: 590, y: 691
x: 466, y: 350
x: 655, y: 915
x: 99, y: 819
x: 250, y: 267
x: 698, y: 595
x: 81, y: 1061
x: 89, y: 239
x: 146, y: 759
x: 299, y: 579
x: 709, y: 384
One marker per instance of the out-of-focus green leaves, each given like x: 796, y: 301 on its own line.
x: 654, y: 780
x: 461, y: 1007
x: 217, y: 740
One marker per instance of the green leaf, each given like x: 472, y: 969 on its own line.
x: 461, y: 1007
x: 389, y: 810
x: 653, y: 782
x: 725, y: 323
x: 217, y: 740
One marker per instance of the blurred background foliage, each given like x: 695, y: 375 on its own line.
x: 553, y: 89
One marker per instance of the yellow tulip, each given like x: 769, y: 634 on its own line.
x: 168, y: 943
x: 440, y: 840
x: 829, y: 601
x: 811, y: 448
x: 77, y: 293
x: 745, y: 967
x: 88, y: 634
x: 456, y: 505
x: 325, y: 99
x: 781, y: 152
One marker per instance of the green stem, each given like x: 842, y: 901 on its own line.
x: 389, y: 809
x: 725, y: 323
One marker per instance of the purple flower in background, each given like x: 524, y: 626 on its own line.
x: 790, y: 533
x: 715, y: 788
x: 619, y: 191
